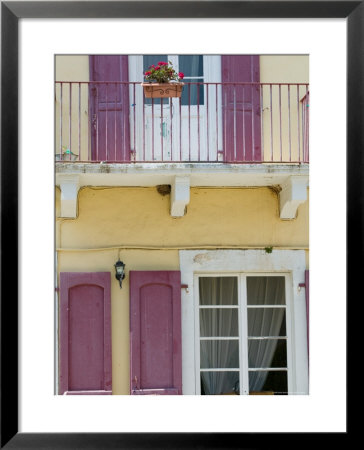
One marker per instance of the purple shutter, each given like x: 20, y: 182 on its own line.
x: 85, y: 333
x: 109, y: 108
x: 155, y: 333
x: 307, y: 290
x: 241, y: 106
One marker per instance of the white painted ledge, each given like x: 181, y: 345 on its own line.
x: 69, y: 185
x: 180, y: 195
x: 292, y: 195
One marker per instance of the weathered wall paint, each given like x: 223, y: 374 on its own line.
x: 283, y: 69
x: 72, y: 68
x: 138, y: 217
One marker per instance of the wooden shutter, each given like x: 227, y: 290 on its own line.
x: 109, y: 107
x: 241, y: 107
x: 85, y: 333
x: 155, y: 333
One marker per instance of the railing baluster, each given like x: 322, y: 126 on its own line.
x: 280, y: 122
x: 234, y: 132
x: 271, y: 125
x: 70, y: 121
x: 261, y: 122
x: 198, y: 119
x: 115, y: 108
x: 79, y: 121
x: 171, y: 126
x: 134, y: 114
x: 107, y: 108
x: 253, y: 127
x: 244, y: 136
x: 143, y: 106
x: 217, y: 123
x: 289, y: 123
x: 298, y: 125
x: 189, y: 121
x: 207, y: 123
x: 60, y: 125
x: 152, y: 129
x: 180, y: 129
x: 162, y: 129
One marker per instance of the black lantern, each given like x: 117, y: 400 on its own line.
x: 119, y: 271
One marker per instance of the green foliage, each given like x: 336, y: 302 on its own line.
x: 163, y: 72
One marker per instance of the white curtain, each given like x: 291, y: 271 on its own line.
x: 219, y: 322
x: 263, y: 322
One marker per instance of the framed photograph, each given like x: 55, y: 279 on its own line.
x: 157, y: 235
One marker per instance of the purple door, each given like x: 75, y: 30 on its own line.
x: 155, y: 333
x: 85, y: 333
x: 241, y: 108
x: 109, y: 108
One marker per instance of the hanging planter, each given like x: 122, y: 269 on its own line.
x: 162, y: 81
x: 162, y: 90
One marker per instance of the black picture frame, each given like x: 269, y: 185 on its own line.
x: 11, y: 12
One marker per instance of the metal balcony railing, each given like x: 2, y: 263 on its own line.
x: 212, y: 122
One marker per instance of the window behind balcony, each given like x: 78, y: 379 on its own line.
x: 192, y: 68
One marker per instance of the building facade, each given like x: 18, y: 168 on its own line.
x: 204, y: 198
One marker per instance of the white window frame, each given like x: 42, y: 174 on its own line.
x: 290, y: 263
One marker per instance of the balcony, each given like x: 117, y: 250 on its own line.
x: 213, y: 122
x: 216, y: 134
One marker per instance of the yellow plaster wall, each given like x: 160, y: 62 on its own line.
x: 139, y: 217
x: 287, y: 130
x: 72, y: 120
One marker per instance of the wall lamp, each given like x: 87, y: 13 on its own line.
x: 119, y: 271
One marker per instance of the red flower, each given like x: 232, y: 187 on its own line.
x: 161, y: 63
x: 181, y: 75
x: 157, y: 68
x: 148, y: 72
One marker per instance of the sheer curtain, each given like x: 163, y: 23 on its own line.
x: 263, y: 322
x: 219, y: 322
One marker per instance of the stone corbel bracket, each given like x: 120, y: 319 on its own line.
x: 293, y: 193
x: 69, y: 185
x: 180, y: 195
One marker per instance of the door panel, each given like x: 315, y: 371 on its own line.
x: 241, y: 108
x: 155, y: 328
x: 109, y: 105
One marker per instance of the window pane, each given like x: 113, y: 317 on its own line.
x: 219, y: 322
x: 267, y: 353
x: 266, y: 290
x: 218, y: 290
x: 269, y: 382
x: 191, y: 65
x: 193, y: 94
x: 219, y: 354
x: 219, y: 383
x: 266, y: 322
x: 148, y: 60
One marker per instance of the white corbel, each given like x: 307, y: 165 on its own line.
x: 293, y: 193
x: 180, y: 195
x: 69, y: 185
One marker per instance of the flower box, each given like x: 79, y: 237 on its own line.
x: 162, y: 90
